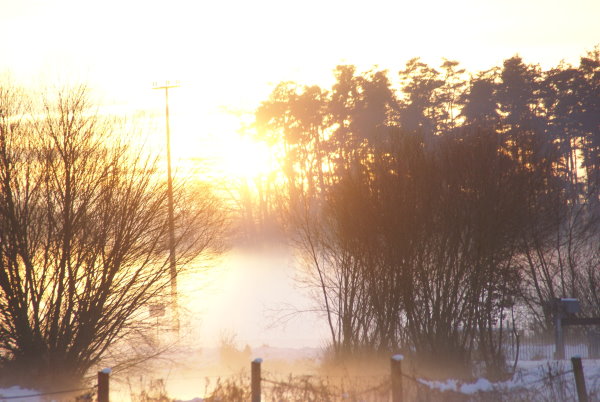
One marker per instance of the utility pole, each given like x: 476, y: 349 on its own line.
x: 172, y: 264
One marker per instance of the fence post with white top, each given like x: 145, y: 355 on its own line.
x: 103, y: 385
x: 255, y: 378
x: 396, y: 366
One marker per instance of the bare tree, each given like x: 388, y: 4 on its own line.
x: 415, y: 248
x: 439, y: 212
x: 83, y: 237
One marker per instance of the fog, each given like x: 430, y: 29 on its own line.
x: 246, y: 304
x: 252, y: 294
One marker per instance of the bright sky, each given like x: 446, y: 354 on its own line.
x: 229, y: 54
x: 232, y: 52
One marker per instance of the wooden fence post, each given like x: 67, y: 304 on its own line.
x: 396, y: 364
x: 256, y: 379
x: 559, y: 338
x: 103, y: 388
x: 579, y: 379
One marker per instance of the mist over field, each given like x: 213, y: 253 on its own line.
x: 253, y: 293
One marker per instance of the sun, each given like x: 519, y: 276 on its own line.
x: 222, y: 154
x: 208, y: 143
x: 244, y: 158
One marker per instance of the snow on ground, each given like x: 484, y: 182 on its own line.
x: 528, y: 373
x: 18, y: 394
x: 190, y: 400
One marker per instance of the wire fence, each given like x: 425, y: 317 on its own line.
x: 553, y: 383
x: 554, y: 386
x: 315, y: 388
x: 578, y: 341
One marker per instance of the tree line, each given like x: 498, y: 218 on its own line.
x: 436, y: 208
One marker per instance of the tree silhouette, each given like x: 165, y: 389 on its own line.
x: 479, y: 104
x: 420, y: 108
x: 83, y: 237
x: 448, y: 203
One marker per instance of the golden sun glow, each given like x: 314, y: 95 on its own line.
x: 246, y: 158
x: 205, y: 141
x: 226, y: 60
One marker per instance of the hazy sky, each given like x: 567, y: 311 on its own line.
x: 231, y: 50
x: 231, y: 53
